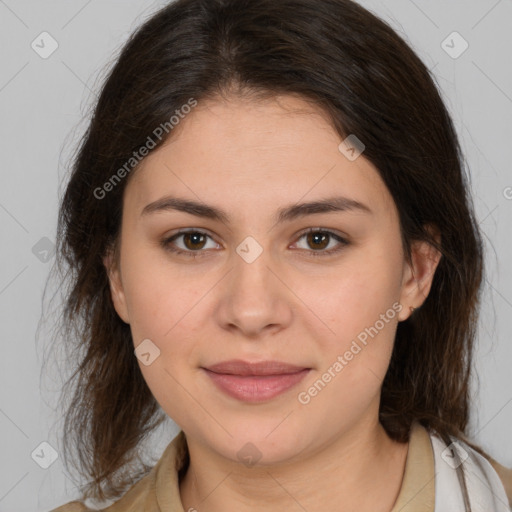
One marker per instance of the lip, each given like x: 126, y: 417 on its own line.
x: 255, y: 382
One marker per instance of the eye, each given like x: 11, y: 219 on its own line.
x: 193, y: 240
x: 319, y: 239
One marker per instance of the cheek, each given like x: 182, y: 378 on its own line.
x: 356, y: 295
x: 165, y: 307
x: 159, y: 297
x: 362, y: 310
x: 360, y: 306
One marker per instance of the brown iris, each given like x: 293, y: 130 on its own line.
x: 194, y: 238
x: 318, y: 237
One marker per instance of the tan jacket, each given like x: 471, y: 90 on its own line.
x: 159, y: 490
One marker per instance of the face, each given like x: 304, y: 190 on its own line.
x: 265, y: 279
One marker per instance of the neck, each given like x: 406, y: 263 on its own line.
x: 361, y: 469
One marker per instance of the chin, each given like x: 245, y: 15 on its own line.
x: 261, y: 442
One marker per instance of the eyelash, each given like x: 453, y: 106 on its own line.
x: 166, y: 243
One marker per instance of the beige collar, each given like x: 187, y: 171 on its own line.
x: 417, y: 493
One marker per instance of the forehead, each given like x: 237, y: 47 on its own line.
x: 274, y: 151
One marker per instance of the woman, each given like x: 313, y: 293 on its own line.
x: 273, y: 244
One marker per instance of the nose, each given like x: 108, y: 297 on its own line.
x: 254, y: 298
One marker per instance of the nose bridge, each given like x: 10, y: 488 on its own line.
x: 253, y: 298
x: 251, y: 270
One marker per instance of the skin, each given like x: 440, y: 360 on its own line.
x: 250, y: 159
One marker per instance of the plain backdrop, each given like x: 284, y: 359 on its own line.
x: 44, y: 103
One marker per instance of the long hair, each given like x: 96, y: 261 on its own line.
x: 370, y: 83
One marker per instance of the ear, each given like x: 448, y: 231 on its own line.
x: 418, y: 275
x: 116, y: 285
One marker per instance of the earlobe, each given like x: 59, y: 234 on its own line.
x: 418, y: 276
x: 116, y: 287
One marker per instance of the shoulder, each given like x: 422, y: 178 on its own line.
x: 134, y: 500
x: 486, y: 478
x: 494, y: 468
x: 73, y: 506
x: 159, y: 485
x: 505, y: 475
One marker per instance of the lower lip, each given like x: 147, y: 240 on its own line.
x: 256, y: 388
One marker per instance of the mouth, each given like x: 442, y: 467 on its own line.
x: 255, y: 382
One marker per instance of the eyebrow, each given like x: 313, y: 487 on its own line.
x: 288, y: 213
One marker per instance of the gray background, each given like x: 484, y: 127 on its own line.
x: 44, y: 105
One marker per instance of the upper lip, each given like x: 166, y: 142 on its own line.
x: 240, y: 367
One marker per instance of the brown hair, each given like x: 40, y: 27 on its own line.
x: 359, y: 71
